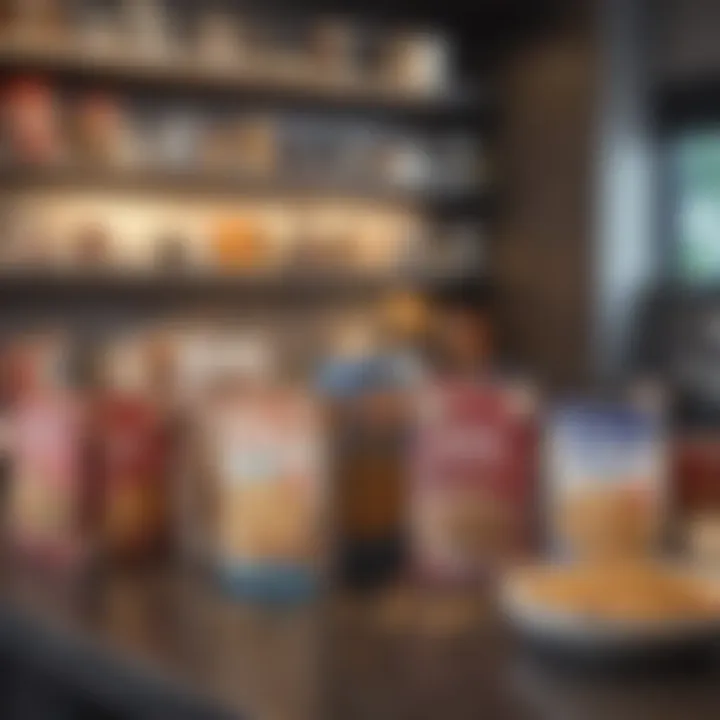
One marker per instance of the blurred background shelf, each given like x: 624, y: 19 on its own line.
x: 167, y: 182
x: 178, y: 77
x: 156, y: 285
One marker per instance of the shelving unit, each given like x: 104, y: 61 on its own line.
x: 103, y: 300
x: 475, y: 202
x: 184, y: 80
x: 181, y: 80
x: 460, y: 106
x: 155, y: 286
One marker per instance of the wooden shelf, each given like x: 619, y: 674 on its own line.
x: 185, y: 77
x: 166, y: 182
x: 42, y: 284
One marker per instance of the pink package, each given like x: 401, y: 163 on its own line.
x: 47, y: 493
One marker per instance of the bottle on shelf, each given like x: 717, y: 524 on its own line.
x: 221, y: 43
x: 364, y: 394
x: 335, y: 46
x: 148, y: 30
x: 38, y: 24
x: 418, y: 63
x: 104, y: 134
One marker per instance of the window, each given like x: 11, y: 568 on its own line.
x: 696, y: 157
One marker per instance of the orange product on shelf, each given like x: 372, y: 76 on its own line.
x: 239, y: 243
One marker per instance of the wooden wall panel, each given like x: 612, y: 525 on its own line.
x: 541, y: 257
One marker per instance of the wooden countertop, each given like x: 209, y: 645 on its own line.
x: 173, y: 638
x: 168, y: 635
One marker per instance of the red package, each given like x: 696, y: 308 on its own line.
x: 131, y: 450
x: 473, y: 469
x: 697, y: 496
x: 31, y: 123
x: 697, y: 474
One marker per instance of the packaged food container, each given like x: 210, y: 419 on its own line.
x: 104, y: 133
x: 266, y: 450
x: 365, y: 397
x: 419, y: 63
x: 336, y: 49
x: 222, y: 41
x: 606, y: 481
x: 240, y: 244
x: 148, y: 33
x: 407, y: 164
x: 250, y: 504
x: 130, y: 440
x: 30, y: 122
x: 99, y: 33
x: 36, y: 23
x: 256, y: 143
x: 49, y: 510
x: 473, y: 477
x: 696, y: 495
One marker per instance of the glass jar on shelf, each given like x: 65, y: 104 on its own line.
x: 35, y: 25
x: 149, y: 37
x: 337, y: 54
x: 257, y: 145
x: 379, y: 239
x: 463, y: 250
x: 405, y: 163
x: 356, y: 154
x: 216, y: 153
x: 105, y: 133
x: 28, y: 242
x: 172, y: 252
x: 222, y: 42
x: 99, y: 34
x: 461, y: 163
x: 418, y: 63
x: 283, y: 57
x: 93, y: 246
x: 412, y: 257
x: 175, y: 140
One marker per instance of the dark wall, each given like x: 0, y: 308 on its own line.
x: 685, y: 38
